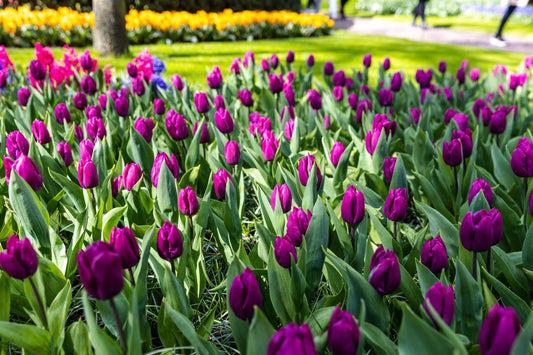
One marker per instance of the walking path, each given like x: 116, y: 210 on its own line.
x: 380, y: 27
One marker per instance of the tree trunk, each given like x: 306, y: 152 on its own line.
x: 109, y: 33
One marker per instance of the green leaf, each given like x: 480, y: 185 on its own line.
x: 78, y: 341
x: 527, y: 250
x: 111, y: 220
x: 279, y: 281
x: 438, y: 224
x: 377, y: 339
x: 27, y: 337
x: 239, y: 327
x: 522, y: 344
x: 426, y: 277
x: 469, y: 302
x: 399, y: 177
x: 140, y: 152
x: 102, y: 343
x: 57, y: 315
x: 30, y: 211
x: 501, y: 168
x: 260, y: 333
x: 5, y: 297
x: 193, y: 150
x: 167, y: 193
x: 316, y: 240
x: 134, y: 336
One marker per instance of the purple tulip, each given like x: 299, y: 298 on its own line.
x: 137, y: 86
x: 292, y: 339
x: 481, y: 230
x: 353, y: 101
x: 29, y: 171
x: 132, y: 70
x: 339, y: 78
x: 122, y: 106
x: 327, y: 122
x: 205, y: 137
x: 424, y: 78
x: 386, y: 64
x: 17, y: 144
x: 315, y: 100
x: 65, y: 152
x: 219, y: 102
x: 86, y: 62
x: 367, y: 60
x: 159, y: 106
x: 37, y: 70
x: 80, y: 101
x: 364, y: 107
x: 86, y: 149
x: 297, y: 224
x: 521, y: 158
x: 23, y: 95
x: 100, y: 269
x: 305, y: 166
x: 201, y: 102
x: 338, y: 93
x: 336, y: 153
x: 19, y: 260
x: 388, y: 168
x: 371, y: 140
x: 480, y: 185
x: 171, y: 163
x: 499, y: 331
x: 232, y: 153
x: 385, y: 97
x: 126, y: 246
x: 285, y: 197
x: 177, y: 82
x: 498, y: 122
x: 169, y: 242
x: 329, y: 68
x: 290, y: 57
x: 188, y: 202
x: 176, y: 126
x: 343, y: 333
x: 353, y: 206
x: 214, y: 79
x: 349, y: 83
x: 396, y: 205
x: 244, y: 294
x: 474, y: 74
x: 310, y: 62
x: 131, y: 175
x: 461, y: 75
x: 283, y: 249
x: 246, y: 97
x: 249, y: 58
x: 274, y: 61
x: 385, y: 274
x: 87, y: 175
x: 116, y: 184
x: 452, y: 152
x: 479, y: 104
x: 88, y: 85
x: 93, y: 111
x: 364, y: 90
x: 224, y: 121
x: 265, y: 66
x: 62, y: 113
x: 275, y: 83
x: 442, y: 67
x: 145, y: 127
x: 8, y: 166
x: 434, y: 255
x: 220, y: 180
x: 95, y: 128
x: 442, y: 299
x: 288, y: 92
x: 396, y: 82
x: 269, y: 145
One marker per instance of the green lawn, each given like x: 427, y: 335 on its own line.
x: 346, y: 50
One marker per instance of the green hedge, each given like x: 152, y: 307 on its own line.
x: 406, y: 7
x: 179, y: 5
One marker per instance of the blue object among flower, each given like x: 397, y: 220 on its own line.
x: 159, y: 82
x: 158, y: 66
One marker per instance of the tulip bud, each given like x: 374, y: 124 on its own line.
x: 8, y: 166
x: 481, y: 230
x: 145, y: 127
x: 224, y: 121
x: 385, y: 97
x: 388, y: 168
x: 220, y: 180
x: 290, y: 57
x: 353, y: 206
x: 367, y: 60
x: 93, y: 111
x: 499, y: 331
x: 353, y: 100
x: 88, y: 85
x: 171, y: 163
x: 396, y: 205
x: 100, y: 270
x: 283, y: 249
x: 29, y: 171
x: 396, y: 82
x: 65, y: 152
x: 339, y: 78
x: 292, y: 339
x: 466, y: 141
x: 37, y: 70
x: 434, y: 255
x: 23, y: 95
x: 132, y: 173
x: 285, y: 197
x: 169, y: 242
x: 122, y: 106
x: 315, y: 100
x: 201, y: 102
x: 126, y: 246
x: 87, y: 174
x: 452, y: 152
x: 132, y: 70
x: 521, y: 158
x: 95, y: 128
x: 177, y: 82
x: 176, y: 126
x: 385, y: 273
x: 329, y: 68
x: 338, y: 93
x: 265, y: 66
x: 246, y: 98
x: 274, y: 61
x: 188, y: 202
x: 62, y: 113
x: 289, y: 129
x: 498, y: 122
x: 159, y: 106
x: 86, y: 149
x: 232, y: 153
x: 115, y: 186
x: 205, y: 137
x: 336, y: 153
x: 480, y: 185
x: 275, y: 82
x: 269, y: 145
x: 17, y: 144
x: 305, y: 166
x: 86, y: 61
x: 80, y: 101
x: 442, y: 299
x: 310, y: 60
x: 19, y: 260
x: 244, y: 294
x: 297, y: 224
x: 219, y: 102
x: 372, y: 140
x: 214, y: 79
x: 343, y: 333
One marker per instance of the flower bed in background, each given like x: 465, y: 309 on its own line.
x: 23, y: 27
x: 272, y: 213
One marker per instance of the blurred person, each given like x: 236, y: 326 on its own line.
x: 498, y: 40
x: 420, y: 11
x: 341, y: 9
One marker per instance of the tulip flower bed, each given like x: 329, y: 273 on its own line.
x: 23, y: 27
x: 270, y: 214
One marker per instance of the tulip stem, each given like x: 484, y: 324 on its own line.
x: 203, y: 145
x: 456, y: 182
x: 524, y: 217
x: 192, y: 229
x: 352, y: 236
x: 172, y: 267
x: 184, y: 150
x: 394, y: 228
x: 497, y: 139
x: 39, y: 302
x: 474, y: 266
x: 119, y: 327
x: 488, y: 260
x: 277, y: 104
x: 94, y: 201
x: 132, y: 279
